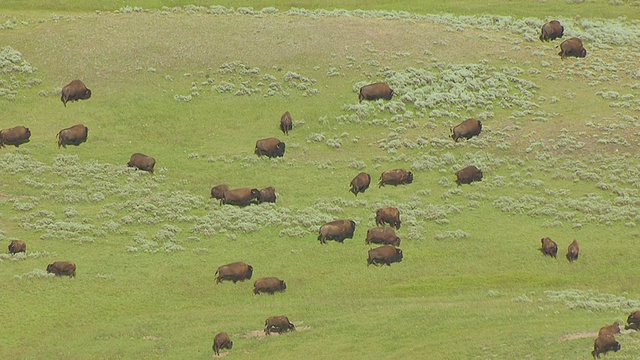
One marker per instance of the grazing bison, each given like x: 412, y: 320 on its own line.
x: 217, y: 192
x: 604, y: 344
x: 549, y: 247
x: 74, y: 135
x: 551, y: 31
x: 360, y: 183
x: 74, y: 91
x: 240, y: 196
x: 379, y: 90
x: 271, y: 147
x: 572, y: 47
x: 278, y: 324
x: 17, y: 246
x: 633, y: 321
x: 15, y: 136
x: 384, y: 255
x: 221, y: 341
x: 269, y: 285
x: 573, y: 251
x: 142, y: 162
x: 388, y: 215
x: 286, y: 124
x: 237, y: 271
x: 468, y: 175
x: 610, y: 330
x: 383, y: 235
x: 60, y: 268
x: 466, y: 129
x: 267, y: 194
x: 395, y: 177
x: 337, y: 230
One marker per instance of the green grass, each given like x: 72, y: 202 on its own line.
x: 559, y: 152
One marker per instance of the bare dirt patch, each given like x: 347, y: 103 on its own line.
x: 260, y: 333
x: 576, y: 336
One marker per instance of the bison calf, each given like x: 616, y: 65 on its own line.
x: 15, y: 136
x: 388, y: 215
x: 267, y: 194
x: 633, y: 321
x: 384, y: 255
x: 142, y: 162
x: 337, y: 230
x: 360, y: 183
x: 240, y: 196
x: 269, y: 285
x: 221, y: 341
x: 74, y: 91
x: 466, y: 129
x: 395, y: 177
x: 549, y: 247
x: 270, y: 147
x: 610, y: 329
x: 74, y: 135
x: 468, y: 175
x: 383, y: 235
x: 217, y: 192
x: 572, y: 47
x: 17, y: 246
x: 286, y: 124
x: 278, y: 324
x: 60, y: 268
x: 551, y: 31
x: 237, y: 271
x: 573, y: 251
x: 604, y: 344
x: 375, y: 91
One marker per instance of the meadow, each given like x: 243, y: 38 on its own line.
x: 196, y: 85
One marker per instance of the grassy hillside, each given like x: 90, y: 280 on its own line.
x: 196, y: 87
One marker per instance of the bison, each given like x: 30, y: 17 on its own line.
x: 379, y: 90
x: 221, y: 341
x: 271, y: 147
x: 604, y: 344
x: 278, y: 324
x: 468, y: 175
x: 337, y: 230
x: 267, y: 194
x: 549, y: 247
x: 395, y: 177
x: 74, y: 91
x: 286, y: 124
x: 269, y: 285
x: 610, y: 329
x: 633, y: 321
x: 240, y: 196
x: 572, y: 47
x: 142, y: 162
x: 74, y: 135
x: 466, y: 129
x: 388, y: 215
x: 385, y: 254
x: 15, y: 136
x: 360, y: 183
x: 382, y: 235
x: 60, y: 268
x: 573, y: 251
x: 237, y: 271
x: 17, y: 246
x: 217, y: 192
x: 551, y: 31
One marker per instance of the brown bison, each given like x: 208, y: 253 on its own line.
x: 604, y: 344
x: 395, y: 177
x: 142, y: 162
x: 466, y: 129
x: 217, y: 192
x: 17, y: 246
x: 388, y: 215
x: 633, y: 321
x: 269, y: 285
x: 221, y: 341
x: 551, y: 31
x: 385, y: 254
x: 74, y: 91
x: 337, y: 230
x: 468, y: 175
x: 573, y: 251
x: 15, y: 136
x: 549, y: 247
x: 60, y: 268
x: 240, y: 196
x: 74, y: 135
x: 383, y: 235
x: 267, y: 194
x: 286, y: 124
x: 572, y: 47
x: 360, y: 183
x: 271, y: 147
x: 278, y: 324
x: 379, y: 90
x: 237, y: 271
x: 610, y: 329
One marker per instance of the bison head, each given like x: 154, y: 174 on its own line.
x: 409, y: 177
x: 283, y: 285
x: 249, y: 272
x: 583, y: 53
x: 280, y: 149
x: 255, y: 194
x: 50, y: 268
x: 87, y: 94
x: 399, y: 254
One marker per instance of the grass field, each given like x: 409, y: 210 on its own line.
x: 196, y: 86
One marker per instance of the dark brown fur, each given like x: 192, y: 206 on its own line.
x: 466, y: 129
x: 269, y: 285
x: 360, y: 183
x: 633, y: 321
x: 60, y: 268
x: 270, y: 147
x: 383, y: 235
x: 604, y: 344
x: 278, y: 324
x: 388, y: 215
x: 142, y: 162
x: 240, y: 196
x: 468, y: 175
x: 74, y: 91
x: 384, y: 255
x: 267, y: 194
x: 75, y: 135
x: 217, y: 192
x: 337, y: 230
x: 237, y: 271
x: 286, y: 124
x: 221, y: 341
x: 549, y: 247
x: 551, y: 31
x: 15, y: 136
x: 573, y: 251
x: 572, y: 47
x: 375, y: 91
x: 17, y: 246
x: 395, y: 177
